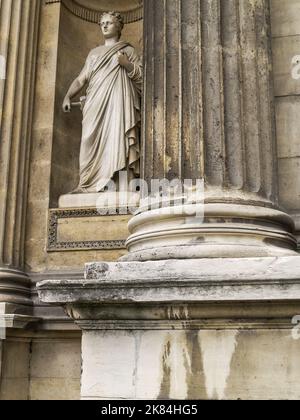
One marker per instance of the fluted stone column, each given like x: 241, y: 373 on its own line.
x: 208, y: 113
x: 18, y: 43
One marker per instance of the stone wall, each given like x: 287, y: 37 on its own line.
x: 41, y: 366
x: 286, y: 58
x: 209, y: 364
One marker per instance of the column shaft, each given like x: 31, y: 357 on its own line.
x: 209, y: 113
x: 173, y: 107
x: 208, y: 108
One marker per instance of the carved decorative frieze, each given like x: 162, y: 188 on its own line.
x: 55, y: 245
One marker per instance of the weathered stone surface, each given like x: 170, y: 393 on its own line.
x: 288, y: 128
x: 285, y: 30
x: 289, y: 190
x: 284, y: 49
x: 206, y: 364
x: 285, y: 17
x: 225, y: 134
x: 201, y: 329
x: 55, y: 368
x: 99, y: 200
x: 213, y: 230
x: 182, y: 282
x: 215, y: 118
x: 40, y: 366
x: 14, y: 382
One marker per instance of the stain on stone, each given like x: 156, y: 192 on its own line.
x: 218, y: 349
x: 166, y: 369
x: 178, y: 312
x: 278, y: 243
x: 93, y: 271
x: 195, y: 378
x: 176, y: 367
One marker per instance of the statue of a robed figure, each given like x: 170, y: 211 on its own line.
x: 111, y: 109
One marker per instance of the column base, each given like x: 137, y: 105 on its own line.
x: 16, y: 306
x: 212, y: 230
x: 15, y: 287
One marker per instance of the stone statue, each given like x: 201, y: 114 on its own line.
x: 111, y: 109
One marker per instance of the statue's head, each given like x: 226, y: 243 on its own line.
x: 111, y: 24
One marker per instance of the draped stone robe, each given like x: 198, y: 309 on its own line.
x: 111, y: 117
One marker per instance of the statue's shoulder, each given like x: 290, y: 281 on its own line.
x: 129, y: 47
x: 130, y: 50
x: 95, y: 51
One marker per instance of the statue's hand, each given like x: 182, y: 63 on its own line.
x: 67, y: 104
x: 124, y: 61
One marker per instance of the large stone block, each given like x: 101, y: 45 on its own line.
x: 55, y: 369
x: 204, y: 364
x: 288, y: 126
x: 14, y: 372
x: 289, y: 183
x: 285, y: 17
x: 284, y: 51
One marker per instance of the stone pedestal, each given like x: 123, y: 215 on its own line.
x: 186, y: 329
x: 100, y: 200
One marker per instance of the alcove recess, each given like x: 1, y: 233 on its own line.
x: 78, y: 34
x: 81, y: 228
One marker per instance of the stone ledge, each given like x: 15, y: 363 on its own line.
x: 254, y: 279
x: 17, y: 321
x: 254, y: 293
x: 95, y: 292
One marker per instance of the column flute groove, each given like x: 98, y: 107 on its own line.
x: 212, y: 70
x: 234, y: 136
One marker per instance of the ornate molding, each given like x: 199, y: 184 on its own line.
x: 165, y: 325
x: 93, y: 16
x: 55, y: 245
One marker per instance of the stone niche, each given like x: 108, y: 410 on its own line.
x: 76, y: 38
x: 78, y: 34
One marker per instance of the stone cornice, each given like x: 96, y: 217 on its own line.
x: 233, y: 293
x: 93, y: 16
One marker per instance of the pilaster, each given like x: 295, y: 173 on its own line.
x: 18, y: 45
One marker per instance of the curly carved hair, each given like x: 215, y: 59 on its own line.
x: 117, y: 16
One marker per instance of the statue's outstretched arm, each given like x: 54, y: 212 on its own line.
x: 74, y: 89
